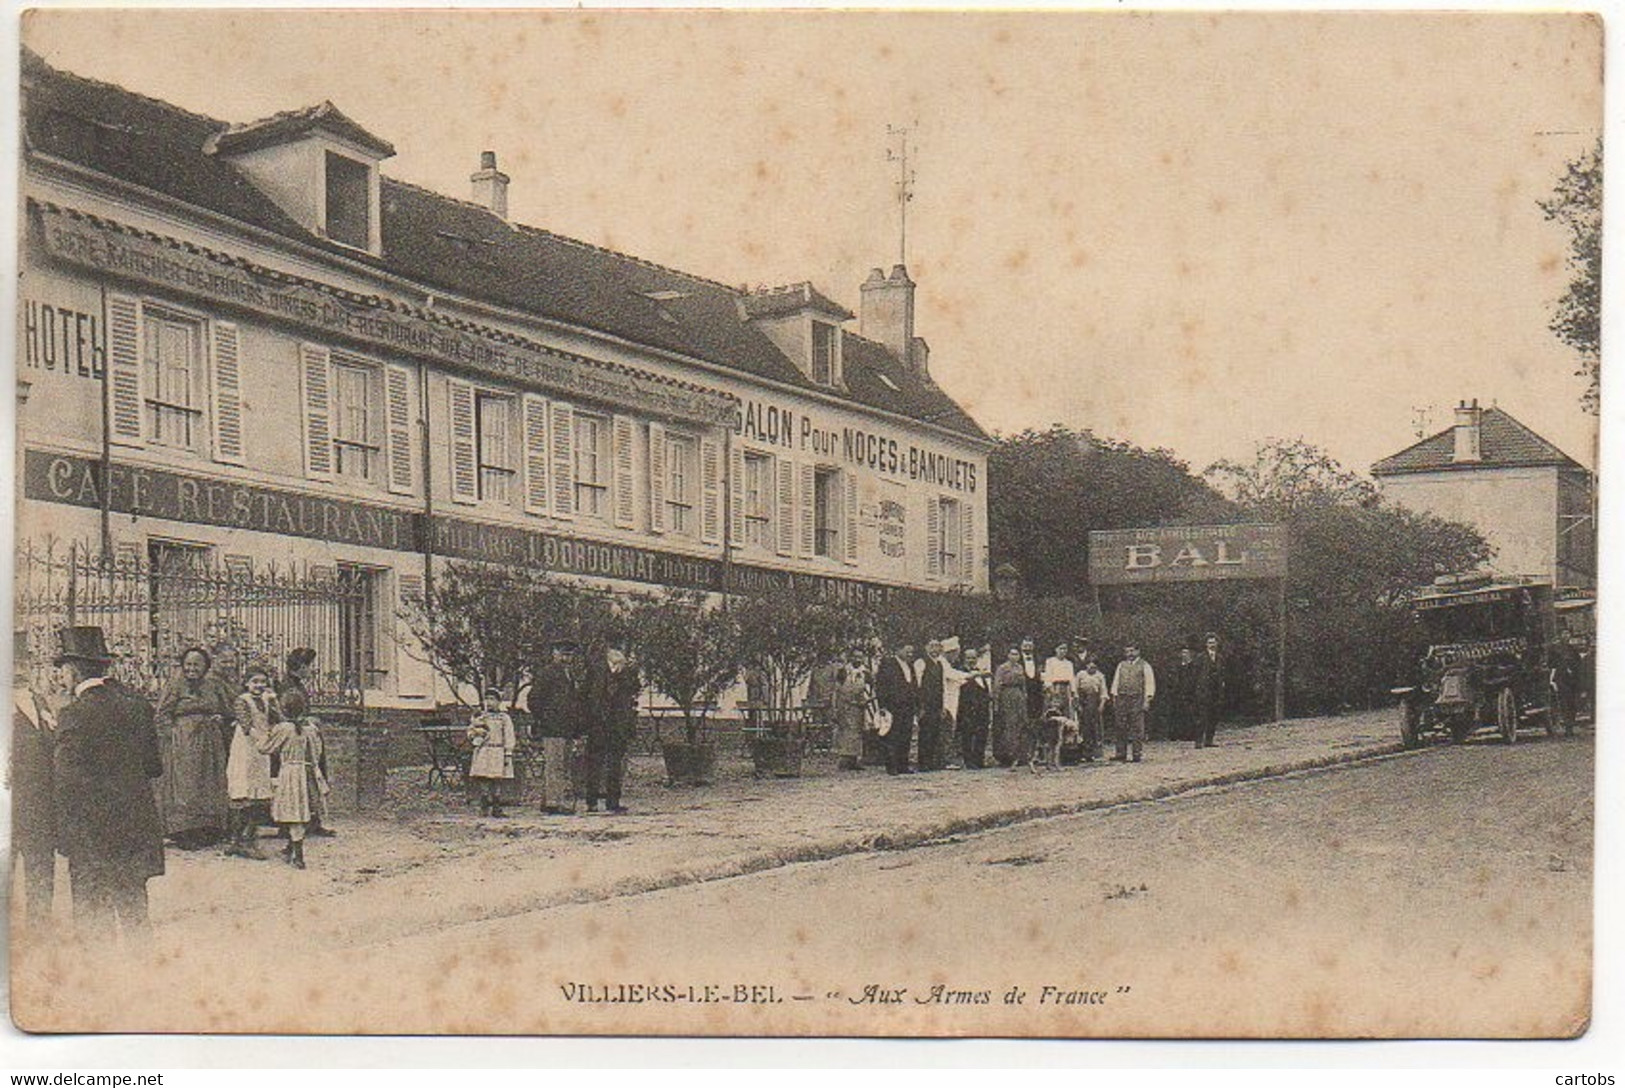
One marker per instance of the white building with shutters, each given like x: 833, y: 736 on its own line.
x: 246, y: 343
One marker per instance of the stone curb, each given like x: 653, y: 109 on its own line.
x: 750, y: 864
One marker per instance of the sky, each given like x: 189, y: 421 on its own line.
x: 1195, y: 231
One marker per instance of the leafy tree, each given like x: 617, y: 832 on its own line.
x: 481, y: 623
x: 689, y: 650
x: 1576, y: 202
x: 1287, y: 475
x: 1352, y: 556
x: 1048, y: 489
x: 786, y: 634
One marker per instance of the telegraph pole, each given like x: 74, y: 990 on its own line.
x: 901, y: 137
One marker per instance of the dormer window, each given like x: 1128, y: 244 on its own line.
x: 349, y: 201
x: 825, y: 353
x: 319, y: 166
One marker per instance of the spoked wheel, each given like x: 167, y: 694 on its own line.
x: 1410, y: 726
x: 1506, y: 715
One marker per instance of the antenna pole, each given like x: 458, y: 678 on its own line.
x: 905, y: 184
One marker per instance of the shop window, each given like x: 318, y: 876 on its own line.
x: 349, y: 201
x: 681, y: 484
x: 359, y: 593
x: 493, y: 430
x: 758, y: 501
x: 356, y: 422
x: 592, y: 466
x: 173, y: 354
x: 827, y: 510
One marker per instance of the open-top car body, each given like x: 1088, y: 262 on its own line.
x: 1487, y: 655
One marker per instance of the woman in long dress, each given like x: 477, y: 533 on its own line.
x: 191, y: 717
x: 851, y: 707
x: 1012, y: 731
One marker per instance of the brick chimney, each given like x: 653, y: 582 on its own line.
x: 1469, y: 433
x: 887, y: 315
x: 490, y: 184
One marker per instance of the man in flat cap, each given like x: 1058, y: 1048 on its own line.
x: 104, y: 760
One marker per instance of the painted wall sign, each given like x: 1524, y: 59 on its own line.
x: 1192, y: 553
x: 782, y: 426
x: 157, y: 493
x: 77, y: 481
x: 375, y: 321
x: 62, y: 340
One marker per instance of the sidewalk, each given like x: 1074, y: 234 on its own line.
x: 437, y: 864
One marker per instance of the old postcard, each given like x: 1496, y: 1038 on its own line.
x: 806, y: 523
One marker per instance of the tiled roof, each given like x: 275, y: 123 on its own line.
x: 793, y: 298
x: 1503, y: 443
x: 459, y: 247
x: 282, y: 126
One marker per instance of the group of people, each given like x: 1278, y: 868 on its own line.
x: 105, y: 778
x: 566, y: 701
x: 946, y: 709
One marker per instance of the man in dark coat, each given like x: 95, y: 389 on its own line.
x: 105, y: 757
x: 1179, y: 707
x: 557, y: 714
x: 612, y: 687
x: 33, y: 800
x: 897, y: 691
x: 1209, y: 695
x: 1033, y: 670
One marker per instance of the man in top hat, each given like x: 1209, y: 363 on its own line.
x: 106, y: 755
x: 558, y: 716
x: 33, y: 822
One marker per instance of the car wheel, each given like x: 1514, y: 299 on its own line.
x: 1410, y: 726
x: 1506, y: 715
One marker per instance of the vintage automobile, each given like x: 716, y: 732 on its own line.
x: 1487, y: 655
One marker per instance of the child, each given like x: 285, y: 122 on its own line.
x: 300, y: 795
x: 248, y: 771
x: 492, y: 734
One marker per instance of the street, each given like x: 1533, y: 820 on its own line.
x: 1416, y: 895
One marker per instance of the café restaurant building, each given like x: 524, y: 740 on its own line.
x: 246, y: 344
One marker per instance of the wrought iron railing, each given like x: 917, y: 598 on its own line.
x: 151, y: 611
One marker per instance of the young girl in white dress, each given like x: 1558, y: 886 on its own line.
x: 248, y: 770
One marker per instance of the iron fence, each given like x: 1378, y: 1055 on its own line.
x: 154, y: 605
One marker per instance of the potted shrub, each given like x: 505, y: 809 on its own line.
x: 783, y: 637
x: 689, y: 652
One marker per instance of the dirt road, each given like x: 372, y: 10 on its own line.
x: 1445, y: 892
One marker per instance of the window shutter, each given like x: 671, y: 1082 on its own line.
x: 850, y: 544
x: 710, y: 491
x: 785, y: 514
x: 657, y: 478
x: 124, y: 368
x: 809, y: 484
x: 537, y: 453
x: 561, y: 425
x: 316, y: 381
x: 933, y: 537
x: 967, y: 546
x: 736, y: 497
x: 626, y: 511
x: 464, y: 464
x: 227, y: 388
x: 398, y: 428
